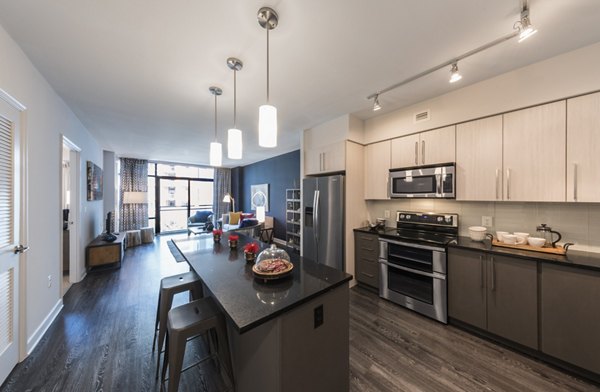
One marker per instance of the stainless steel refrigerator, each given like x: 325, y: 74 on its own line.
x: 323, y: 223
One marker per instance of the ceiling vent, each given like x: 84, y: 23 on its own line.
x: 421, y: 116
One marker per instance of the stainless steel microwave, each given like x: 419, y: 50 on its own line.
x: 424, y: 182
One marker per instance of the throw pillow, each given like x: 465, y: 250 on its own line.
x: 234, y: 218
x: 248, y: 222
x: 247, y: 215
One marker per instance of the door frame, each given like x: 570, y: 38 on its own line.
x: 23, y: 219
x: 75, y: 275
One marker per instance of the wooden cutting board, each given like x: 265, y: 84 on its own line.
x: 559, y: 250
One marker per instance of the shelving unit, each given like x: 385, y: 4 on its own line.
x: 293, y: 226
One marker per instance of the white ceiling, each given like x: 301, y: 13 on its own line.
x: 137, y: 72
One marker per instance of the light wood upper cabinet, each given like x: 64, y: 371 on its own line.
x: 377, y: 166
x: 437, y: 146
x: 534, y: 153
x: 583, y: 145
x: 479, y: 159
x: 326, y: 159
x: 425, y: 148
x: 405, y: 151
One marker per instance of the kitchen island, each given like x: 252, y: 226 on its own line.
x: 285, y: 335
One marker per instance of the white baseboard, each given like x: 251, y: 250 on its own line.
x: 35, y: 338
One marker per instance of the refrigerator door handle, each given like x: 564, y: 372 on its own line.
x: 317, y: 223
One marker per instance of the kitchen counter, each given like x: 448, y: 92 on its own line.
x: 368, y: 230
x: 283, y: 333
x: 573, y: 258
x: 248, y: 302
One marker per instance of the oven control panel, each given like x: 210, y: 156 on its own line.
x: 427, y: 218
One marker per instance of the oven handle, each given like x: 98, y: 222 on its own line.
x: 433, y: 275
x: 412, y: 245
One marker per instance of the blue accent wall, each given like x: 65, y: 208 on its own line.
x: 281, y: 172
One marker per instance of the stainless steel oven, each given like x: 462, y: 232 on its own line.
x: 414, y: 276
x: 423, y: 182
x: 413, y: 262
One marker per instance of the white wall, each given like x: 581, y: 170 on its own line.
x: 47, y: 117
x: 569, y: 74
x: 566, y: 75
x: 109, y: 169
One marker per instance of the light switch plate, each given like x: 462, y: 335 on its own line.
x: 487, y: 221
x: 386, y: 214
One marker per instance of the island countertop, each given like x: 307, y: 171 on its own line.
x: 248, y: 302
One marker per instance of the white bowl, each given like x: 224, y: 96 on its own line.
x: 500, y: 235
x: 477, y: 233
x: 536, y: 241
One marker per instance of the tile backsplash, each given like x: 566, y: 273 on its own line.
x: 577, y: 222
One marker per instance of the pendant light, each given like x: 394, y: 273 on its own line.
x: 234, y: 135
x: 216, y: 150
x: 267, y: 114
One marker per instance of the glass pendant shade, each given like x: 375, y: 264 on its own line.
x: 216, y: 154
x: 267, y: 126
x: 234, y: 144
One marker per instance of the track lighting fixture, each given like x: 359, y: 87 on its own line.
x: 524, y: 25
x: 234, y: 135
x: 216, y: 149
x: 522, y: 28
x: 376, y: 105
x: 455, y: 76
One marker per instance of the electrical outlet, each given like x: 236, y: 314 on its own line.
x: 486, y: 221
x: 318, y: 316
x: 386, y: 214
x: 49, y: 281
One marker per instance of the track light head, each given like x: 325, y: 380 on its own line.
x: 455, y: 76
x: 376, y: 105
x: 524, y: 26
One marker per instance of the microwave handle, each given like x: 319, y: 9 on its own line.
x: 438, y: 184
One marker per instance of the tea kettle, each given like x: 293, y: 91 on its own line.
x: 546, y: 233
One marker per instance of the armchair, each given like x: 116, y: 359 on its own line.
x: 200, y: 219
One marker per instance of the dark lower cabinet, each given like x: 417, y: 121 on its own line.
x: 494, y: 293
x: 570, y: 315
x: 366, y: 253
x: 512, y: 299
x: 466, y: 287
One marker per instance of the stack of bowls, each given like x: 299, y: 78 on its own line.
x: 477, y: 233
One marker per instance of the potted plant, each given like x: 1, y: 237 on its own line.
x: 250, y: 251
x: 217, y: 235
x: 233, y: 240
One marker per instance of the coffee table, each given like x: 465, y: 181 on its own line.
x: 197, y: 230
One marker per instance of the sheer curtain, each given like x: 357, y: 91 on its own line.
x: 134, y: 178
x: 221, y: 186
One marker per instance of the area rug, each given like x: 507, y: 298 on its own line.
x: 175, y: 252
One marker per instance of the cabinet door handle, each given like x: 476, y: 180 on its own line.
x: 575, y: 181
x: 497, y: 187
x: 423, y: 152
x: 416, y: 153
x: 367, y: 275
x: 481, y: 269
x: 369, y: 249
x: 507, y: 184
x: 493, y: 274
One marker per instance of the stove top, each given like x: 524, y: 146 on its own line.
x: 425, y: 227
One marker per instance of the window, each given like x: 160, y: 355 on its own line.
x: 177, y: 192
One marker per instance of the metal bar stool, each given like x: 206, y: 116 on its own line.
x: 169, y: 286
x: 186, y: 322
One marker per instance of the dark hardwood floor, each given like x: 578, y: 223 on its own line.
x: 102, y: 341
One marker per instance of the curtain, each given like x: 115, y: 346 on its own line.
x: 134, y: 178
x: 221, y: 186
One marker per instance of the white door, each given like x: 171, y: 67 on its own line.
x: 405, y: 151
x: 377, y: 170
x: 9, y: 238
x: 438, y: 146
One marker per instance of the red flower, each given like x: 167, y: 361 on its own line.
x: 217, y: 232
x: 251, y: 247
x: 234, y: 237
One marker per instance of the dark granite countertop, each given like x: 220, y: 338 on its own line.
x: 573, y: 258
x: 368, y: 230
x: 248, y: 302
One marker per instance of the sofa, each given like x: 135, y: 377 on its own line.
x: 246, y: 224
x: 201, y: 219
